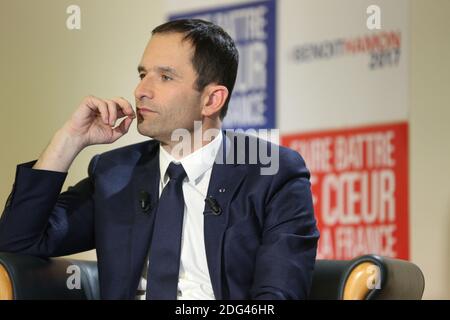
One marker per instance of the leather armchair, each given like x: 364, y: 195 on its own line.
x: 363, y: 278
x: 368, y: 277
x: 24, y: 277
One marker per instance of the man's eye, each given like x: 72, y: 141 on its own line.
x: 141, y: 76
x: 165, y: 78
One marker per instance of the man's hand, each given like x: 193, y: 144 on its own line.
x: 92, y: 123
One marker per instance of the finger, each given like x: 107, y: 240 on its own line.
x: 98, y: 105
x: 112, y: 107
x: 120, y: 113
x: 122, y: 129
x: 120, y: 108
x: 125, y: 106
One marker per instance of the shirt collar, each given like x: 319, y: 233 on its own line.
x: 195, y: 164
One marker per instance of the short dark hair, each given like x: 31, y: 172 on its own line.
x: 215, y: 56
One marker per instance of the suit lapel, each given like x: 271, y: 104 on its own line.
x: 146, y: 183
x: 226, y: 177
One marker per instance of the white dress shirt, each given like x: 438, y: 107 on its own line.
x: 194, y: 282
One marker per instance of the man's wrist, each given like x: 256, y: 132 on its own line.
x: 60, y: 153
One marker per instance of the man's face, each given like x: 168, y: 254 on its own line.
x: 167, y: 88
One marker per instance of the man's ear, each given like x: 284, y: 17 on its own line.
x: 213, y: 99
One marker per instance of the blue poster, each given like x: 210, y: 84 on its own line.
x: 252, y: 26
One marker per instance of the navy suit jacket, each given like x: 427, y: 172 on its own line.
x: 262, y: 246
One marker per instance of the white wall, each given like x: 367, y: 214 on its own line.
x: 430, y: 144
x: 47, y: 70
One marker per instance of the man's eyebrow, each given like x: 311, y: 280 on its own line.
x: 167, y: 69
x: 141, y: 68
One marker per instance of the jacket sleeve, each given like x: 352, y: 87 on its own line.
x: 38, y: 220
x: 286, y: 257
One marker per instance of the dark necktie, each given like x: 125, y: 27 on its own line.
x: 165, y: 251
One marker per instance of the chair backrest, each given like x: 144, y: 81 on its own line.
x: 29, y: 278
x: 367, y: 277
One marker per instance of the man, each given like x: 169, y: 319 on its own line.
x: 168, y: 222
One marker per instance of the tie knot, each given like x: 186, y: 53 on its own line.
x: 176, y: 171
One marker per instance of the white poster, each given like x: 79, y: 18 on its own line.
x: 342, y: 63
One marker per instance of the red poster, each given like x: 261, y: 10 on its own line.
x: 359, y: 180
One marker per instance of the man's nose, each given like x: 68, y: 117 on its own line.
x: 144, y: 89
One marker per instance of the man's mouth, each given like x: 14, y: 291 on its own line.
x: 145, y: 110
